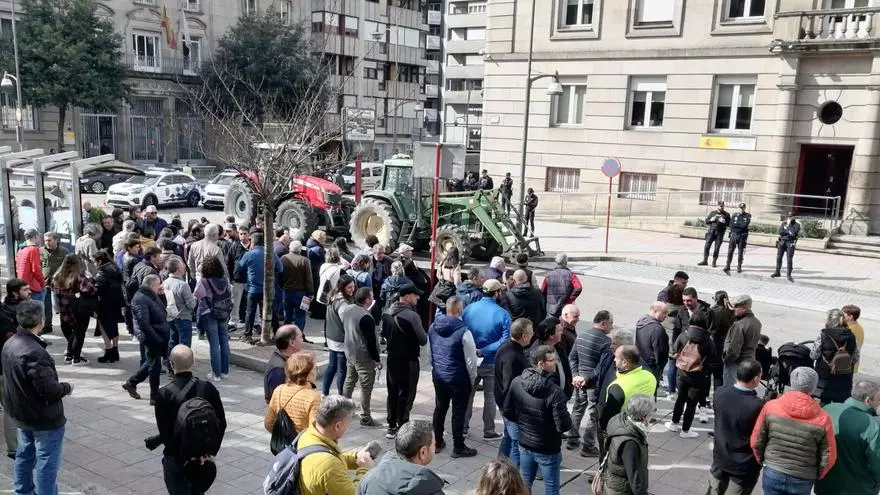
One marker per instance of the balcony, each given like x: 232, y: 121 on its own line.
x: 466, y: 20
x: 433, y: 67
x: 435, y: 17
x: 459, y: 46
x: 433, y: 42
x: 161, y: 66
x: 474, y: 71
x: 830, y: 29
x: 472, y: 97
x: 431, y: 90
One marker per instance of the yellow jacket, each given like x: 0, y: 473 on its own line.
x: 322, y: 473
x: 857, y: 330
x: 299, y: 401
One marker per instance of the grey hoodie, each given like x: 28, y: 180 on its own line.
x: 394, y: 475
x: 183, y: 297
x: 652, y: 343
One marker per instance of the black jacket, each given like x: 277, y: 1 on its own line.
x: 563, y: 380
x: 715, y: 223
x: 736, y: 412
x: 167, y: 405
x: 109, y: 288
x: 702, y: 338
x: 236, y: 251
x: 402, y: 328
x: 8, y: 325
x: 525, y: 301
x: 835, y: 388
x: 538, y: 406
x: 32, y: 393
x: 510, y: 361
x: 149, y: 317
x: 682, y: 319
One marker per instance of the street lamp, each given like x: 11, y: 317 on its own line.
x: 6, y: 83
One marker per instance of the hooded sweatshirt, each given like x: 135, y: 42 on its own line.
x: 393, y: 476
x: 652, y: 343
x: 208, y: 289
x: 402, y: 328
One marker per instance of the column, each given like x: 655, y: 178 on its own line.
x: 778, y: 180
x: 859, y: 213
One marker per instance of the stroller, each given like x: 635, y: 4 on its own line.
x: 789, y: 356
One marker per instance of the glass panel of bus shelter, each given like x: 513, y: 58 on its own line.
x: 62, y: 215
x: 23, y: 201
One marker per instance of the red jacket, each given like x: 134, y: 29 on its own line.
x: 795, y: 436
x: 28, y: 267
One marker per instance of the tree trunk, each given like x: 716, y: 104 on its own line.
x: 62, y: 112
x: 268, y: 272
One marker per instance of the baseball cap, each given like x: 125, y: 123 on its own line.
x: 407, y: 290
x: 492, y: 285
x: 150, y: 209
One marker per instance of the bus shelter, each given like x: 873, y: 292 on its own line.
x: 42, y: 191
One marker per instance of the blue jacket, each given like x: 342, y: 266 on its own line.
x: 490, y: 325
x: 447, y: 350
x: 603, y: 374
x: 252, y: 261
x: 469, y: 293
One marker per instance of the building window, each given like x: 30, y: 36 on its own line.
x: 637, y: 186
x: 714, y: 190
x: 371, y: 73
x: 192, y: 5
x: 8, y: 116
x: 476, y: 8
x: 577, y: 13
x: 654, y: 12
x: 284, y: 11
x: 568, y: 108
x: 743, y: 9
x: 562, y: 179
x: 5, y: 28
x: 647, y: 101
x: 248, y: 6
x: 734, y: 102
x: 145, y: 47
x: 146, y: 129
x: 190, y: 132
x: 348, y: 26
x: 192, y: 54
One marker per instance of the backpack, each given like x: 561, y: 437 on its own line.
x: 284, y: 473
x: 841, y: 363
x: 689, y: 358
x: 284, y: 431
x: 326, y: 287
x: 221, y: 306
x: 197, y: 426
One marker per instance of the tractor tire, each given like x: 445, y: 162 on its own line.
x: 375, y: 217
x: 240, y: 202
x: 297, y: 216
x: 450, y: 235
x: 486, y: 251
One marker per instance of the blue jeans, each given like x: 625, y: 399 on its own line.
x: 181, y: 333
x: 550, y: 464
x: 292, y: 313
x: 40, y: 449
x: 47, y: 307
x: 509, y: 446
x: 335, y: 368
x: 218, y: 343
x: 38, y: 295
x: 777, y: 483
x: 671, y: 376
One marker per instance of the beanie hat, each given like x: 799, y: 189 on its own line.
x: 804, y: 380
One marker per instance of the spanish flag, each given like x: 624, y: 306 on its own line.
x: 170, y: 36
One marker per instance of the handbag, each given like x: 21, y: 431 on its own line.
x: 598, y: 484
x: 283, y: 431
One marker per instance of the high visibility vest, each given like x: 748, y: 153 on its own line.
x: 637, y: 381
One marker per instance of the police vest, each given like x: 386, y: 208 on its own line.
x: 637, y: 381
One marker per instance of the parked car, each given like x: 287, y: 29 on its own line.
x: 371, y: 176
x: 215, y: 191
x: 98, y: 181
x: 157, y: 187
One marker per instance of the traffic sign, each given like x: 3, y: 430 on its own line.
x: 611, y: 167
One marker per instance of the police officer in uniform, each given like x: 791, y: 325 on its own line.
x: 739, y: 234
x: 506, y: 192
x: 717, y: 220
x: 789, y: 232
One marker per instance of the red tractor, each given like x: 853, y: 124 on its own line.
x: 310, y: 203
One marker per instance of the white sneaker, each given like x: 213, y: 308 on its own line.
x: 214, y: 378
x: 670, y: 426
x: 224, y: 376
x: 704, y: 415
x: 688, y: 434
x: 671, y: 396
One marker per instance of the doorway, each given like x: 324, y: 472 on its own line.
x: 822, y: 171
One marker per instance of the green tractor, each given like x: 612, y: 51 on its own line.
x: 399, y: 210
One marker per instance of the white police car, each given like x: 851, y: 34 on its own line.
x: 156, y: 187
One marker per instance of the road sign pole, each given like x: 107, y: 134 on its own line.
x: 435, y: 200
x: 608, y: 215
x: 357, y: 178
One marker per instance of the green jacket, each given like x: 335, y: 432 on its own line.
x: 857, y: 431
x: 621, y: 430
x: 51, y: 262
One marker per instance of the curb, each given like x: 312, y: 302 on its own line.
x: 254, y: 363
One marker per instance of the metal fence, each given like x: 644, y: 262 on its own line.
x: 687, y: 205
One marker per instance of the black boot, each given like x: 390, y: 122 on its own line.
x: 107, y: 357
x: 775, y: 275
x: 726, y: 269
x: 739, y: 269
x: 114, y: 354
x: 789, y: 277
x: 715, y: 262
x: 703, y: 263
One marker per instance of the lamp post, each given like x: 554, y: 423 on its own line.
x: 553, y: 89
x: 6, y: 83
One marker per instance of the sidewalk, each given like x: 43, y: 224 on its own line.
x: 835, y: 272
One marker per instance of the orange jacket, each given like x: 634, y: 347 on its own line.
x: 29, y: 268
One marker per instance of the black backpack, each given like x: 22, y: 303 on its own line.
x: 221, y: 305
x: 284, y: 431
x: 284, y: 472
x: 197, y: 426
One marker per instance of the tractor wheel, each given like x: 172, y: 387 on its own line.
x: 377, y: 218
x: 239, y: 202
x: 451, y: 235
x: 297, y: 216
x: 485, y: 251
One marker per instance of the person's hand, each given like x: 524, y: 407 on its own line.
x: 479, y: 354
x: 578, y: 381
x: 364, y: 459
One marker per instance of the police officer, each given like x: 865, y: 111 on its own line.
x: 717, y: 220
x: 789, y: 232
x: 506, y: 189
x: 739, y: 234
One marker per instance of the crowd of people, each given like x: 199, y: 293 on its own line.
x: 495, y: 330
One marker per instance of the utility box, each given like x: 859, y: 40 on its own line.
x: 452, y: 157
